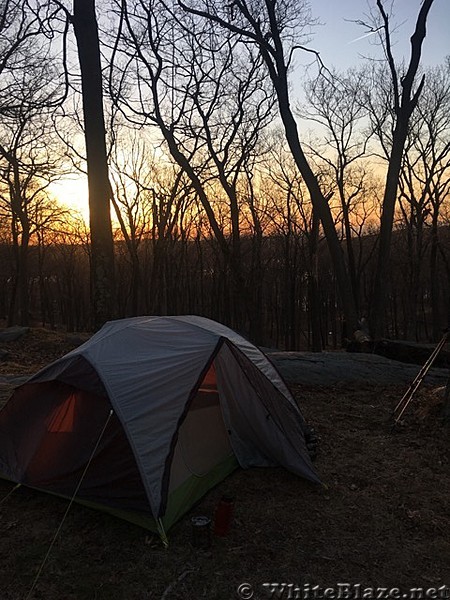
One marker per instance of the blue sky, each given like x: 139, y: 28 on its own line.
x: 334, y: 40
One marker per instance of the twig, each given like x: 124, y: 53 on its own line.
x: 170, y: 587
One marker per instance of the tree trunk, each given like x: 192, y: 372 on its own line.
x: 102, y: 260
x: 387, y: 220
x: 22, y: 280
x: 434, y: 283
x: 314, y: 295
x: 321, y: 206
x: 404, y: 104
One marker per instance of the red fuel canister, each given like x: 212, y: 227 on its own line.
x: 223, y: 516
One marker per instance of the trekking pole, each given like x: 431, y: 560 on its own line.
x: 407, y: 397
x: 423, y: 371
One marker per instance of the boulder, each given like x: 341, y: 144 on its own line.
x: 11, y: 334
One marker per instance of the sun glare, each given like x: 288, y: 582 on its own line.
x: 72, y: 193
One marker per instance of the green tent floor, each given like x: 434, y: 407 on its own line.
x: 179, y: 502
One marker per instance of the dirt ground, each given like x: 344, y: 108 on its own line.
x: 381, y: 518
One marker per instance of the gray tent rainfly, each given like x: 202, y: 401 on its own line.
x: 191, y: 401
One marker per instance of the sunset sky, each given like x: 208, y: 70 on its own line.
x: 342, y: 44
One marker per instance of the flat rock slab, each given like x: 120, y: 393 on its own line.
x: 331, y: 368
x: 326, y: 369
x: 14, y: 380
x: 11, y: 334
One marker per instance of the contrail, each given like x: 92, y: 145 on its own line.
x: 361, y: 37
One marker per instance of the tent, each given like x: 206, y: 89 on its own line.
x: 159, y: 410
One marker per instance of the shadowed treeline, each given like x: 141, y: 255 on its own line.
x: 180, y: 274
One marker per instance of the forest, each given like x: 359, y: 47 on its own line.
x: 208, y: 158
x: 231, y: 173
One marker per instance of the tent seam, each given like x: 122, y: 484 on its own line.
x: 166, y: 477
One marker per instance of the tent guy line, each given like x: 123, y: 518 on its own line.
x: 52, y: 543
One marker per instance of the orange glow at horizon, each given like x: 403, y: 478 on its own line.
x: 72, y: 193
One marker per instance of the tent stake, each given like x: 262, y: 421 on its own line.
x: 162, y: 533
x: 9, y: 493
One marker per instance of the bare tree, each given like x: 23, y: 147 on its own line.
x: 131, y: 169
x: 206, y: 92
x: 19, y: 28
x: 67, y: 274
x: 404, y: 95
x: 424, y: 185
x: 333, y: 103
x: 150, y: 197
x: 298, y: 228
x: 86, y: 32
x: 29, y: 162
x: 49, y: 219
x: 275, y: 27
x: 85, y: 27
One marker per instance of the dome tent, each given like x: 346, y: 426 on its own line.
x: 191, y: 400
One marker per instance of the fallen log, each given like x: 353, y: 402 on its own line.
x: 411, y: 352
